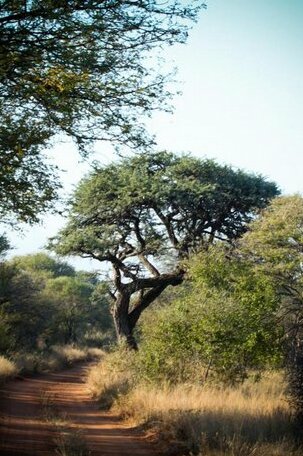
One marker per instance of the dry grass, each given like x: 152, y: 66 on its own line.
x: 220, y: 419
x: 253, y: 419
x: 57, y: 358
x: 107, y: 382
x: 50, y: 411
x: 71, y: 442
x: 68, y: 354
x: 7, y: 369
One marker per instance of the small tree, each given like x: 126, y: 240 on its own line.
x: 42, y: 265
x: 274, y: 245
x: 146, y: 214
x: 70, y: 298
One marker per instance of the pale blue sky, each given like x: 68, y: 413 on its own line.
x: 242, y: 102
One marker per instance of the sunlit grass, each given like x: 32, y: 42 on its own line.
x: 58, y: 357
x: 253, y: 418
x: 7, y: 369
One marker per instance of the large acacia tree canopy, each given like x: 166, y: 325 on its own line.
x: 150, y: 204
x: 79, y: 68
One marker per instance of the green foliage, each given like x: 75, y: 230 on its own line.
x: 44, y: 265
x: 222, y: 330
x: 78, y: 69
x: 6, y: 338
x: 90, y: 61
x: 274, y: 246
x: 147, y: 213
x: 242, y: 311
x: 174, y: 202
x: 275, y: 241
x: 44, y: 301
x: 100, y: 314
x: 19, y: 300
x: 70, y: 298
x: 28, y: 184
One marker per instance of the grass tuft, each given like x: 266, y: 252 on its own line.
x: 71, y: 442
x: 8, y: 369
x: 107, y: 383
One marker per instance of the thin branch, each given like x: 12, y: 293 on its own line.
x: 169, y: 228
x: 149, y: 266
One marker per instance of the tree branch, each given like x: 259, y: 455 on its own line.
x: 117, y: 277
x: 151, y: 282
x: 168, y: 226
x: 144, y: 302
x: 149, y: 266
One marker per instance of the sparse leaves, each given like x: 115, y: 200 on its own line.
x: 76, y: 69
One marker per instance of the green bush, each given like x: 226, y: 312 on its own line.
x: 210, y: 332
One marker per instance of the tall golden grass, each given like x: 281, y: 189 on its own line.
x: 7, y: 369
x: 251, y: 419
x: 58, y: 357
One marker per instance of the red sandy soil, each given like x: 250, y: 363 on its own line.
x: 24, y: 430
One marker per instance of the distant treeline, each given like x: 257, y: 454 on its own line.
x: 44, y: 301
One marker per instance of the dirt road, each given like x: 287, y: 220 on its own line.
x: 73, y: 420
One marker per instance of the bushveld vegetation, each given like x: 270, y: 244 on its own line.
x: 219, y: 365
x: 219, y: 255
x: 219, y: 370
x: 51, y: 315
x: 249, y: 418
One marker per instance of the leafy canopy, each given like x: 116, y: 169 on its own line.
x: 44, y: 301
x: 242, y: 310
x: 275, y: 240
x: 146, y: 214
x: 80, y: 69
x: 43, y: 265
x: 149, y: 204
x: 274, y: 245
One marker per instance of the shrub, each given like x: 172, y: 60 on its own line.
x: 206, y: 335
x: 56, y: 358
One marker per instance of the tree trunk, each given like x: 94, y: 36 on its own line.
x: 124, y: 329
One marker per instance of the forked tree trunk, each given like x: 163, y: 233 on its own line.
x: 125, y: 321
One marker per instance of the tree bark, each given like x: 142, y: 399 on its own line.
x: 125, y: 320
x: 124, y: 329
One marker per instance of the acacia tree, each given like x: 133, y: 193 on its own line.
x: 154, y: 207
x: 77, y: 68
